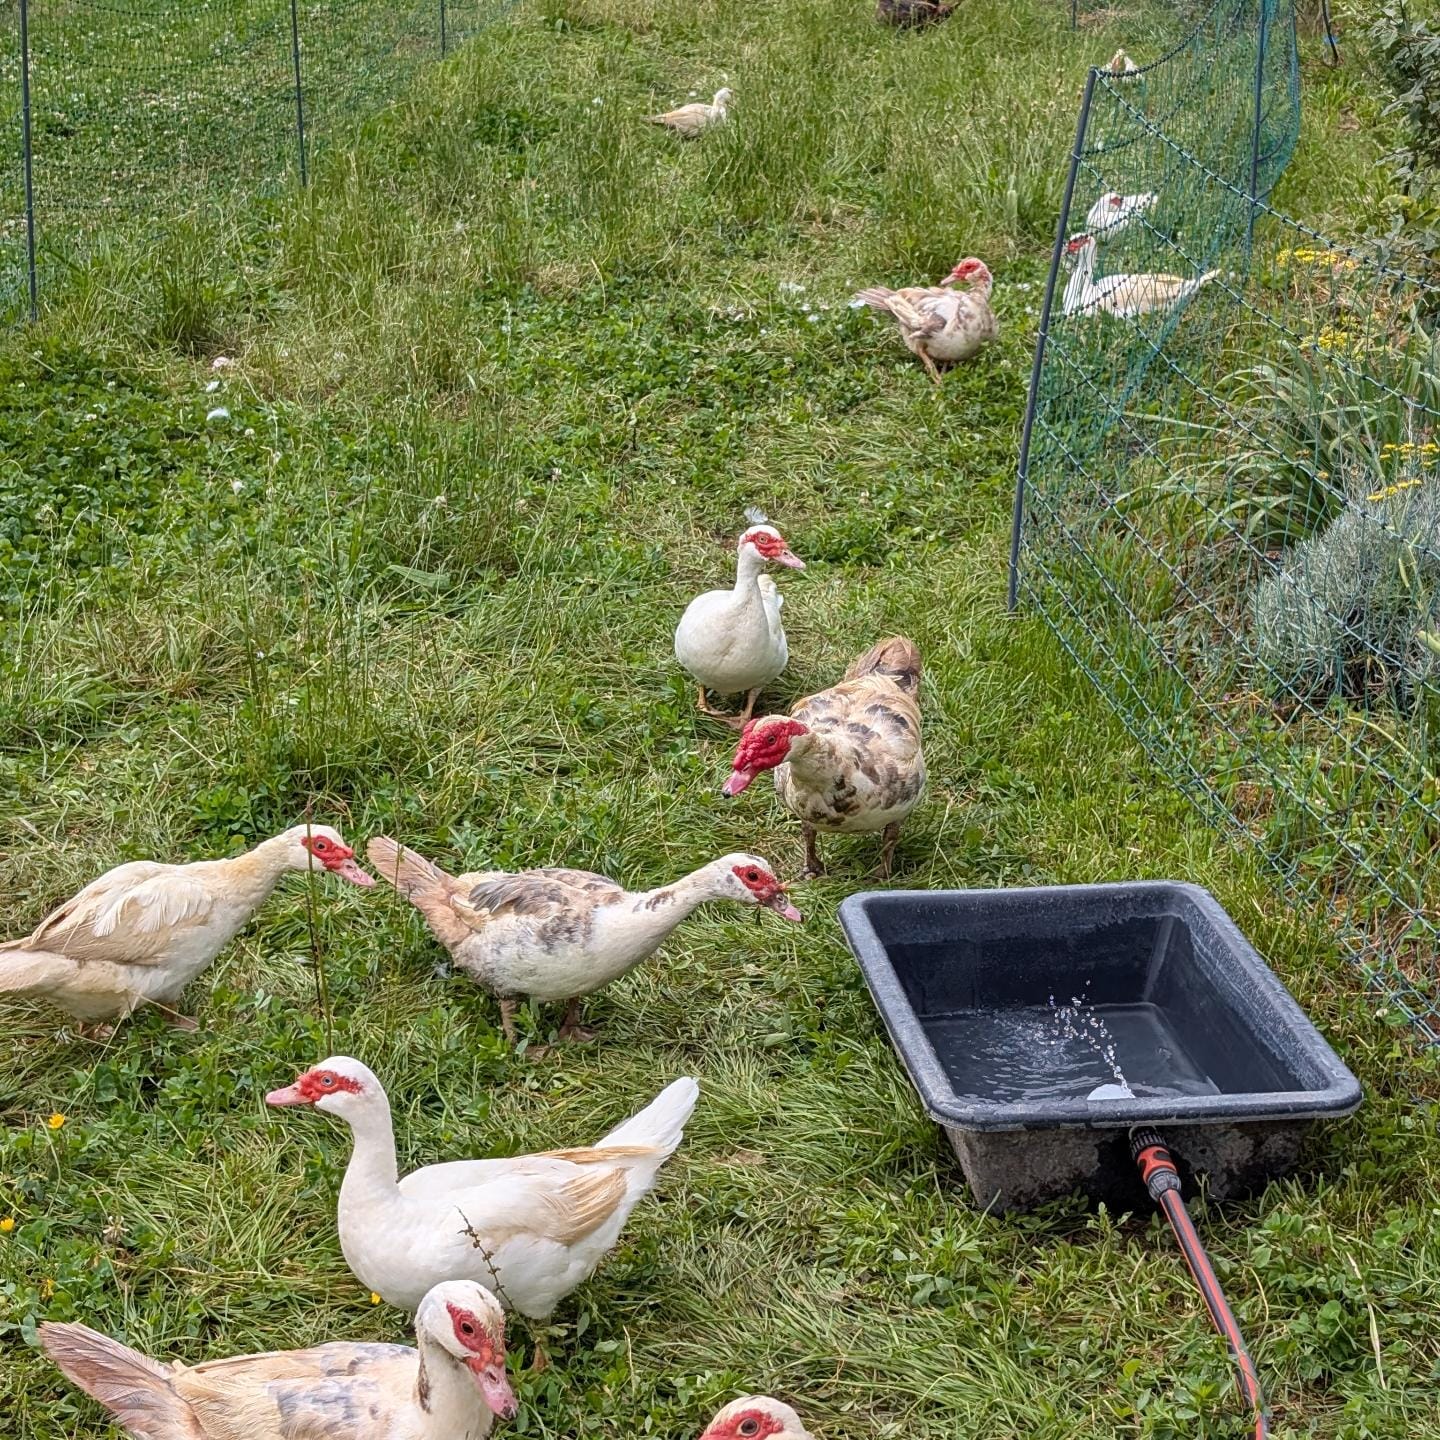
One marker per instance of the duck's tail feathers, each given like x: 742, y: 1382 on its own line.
x: 661, y: 1124
x: 896, y: 658
x: 410, y: 873
x: 877, y: 297
x: 135, y: 1389
x: 33, y: 972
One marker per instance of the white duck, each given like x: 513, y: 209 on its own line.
x: 732, y: 641
x: 559, y: 934
x: 451, y: 1388
x: 529, y: 1227
x: 143, y: 931
x: 692, y: 120
x: 756, y: 1417
x: 1121, y: 67
x: 937, y: 322
x: 1122, y: 295
x: 1111, y: 214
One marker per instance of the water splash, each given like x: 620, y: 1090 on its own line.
x: 1080, y: 1021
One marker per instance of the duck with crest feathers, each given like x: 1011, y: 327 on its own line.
x: 846, y: 760
x: 732, y: 641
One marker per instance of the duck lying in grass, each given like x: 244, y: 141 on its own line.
x: 451, y: 1387
x: 692, y: 120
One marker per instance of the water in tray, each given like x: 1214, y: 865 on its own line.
x: 1053, y: 1052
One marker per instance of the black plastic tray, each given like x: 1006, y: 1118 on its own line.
x: 1221, y: 1057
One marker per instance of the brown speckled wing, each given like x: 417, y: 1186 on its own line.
x: 542, y: 893
x: 331, y: 1392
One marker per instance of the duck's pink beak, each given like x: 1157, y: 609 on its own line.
x: 290, y: 1095
x: 788, y: 557
x: 785, y: 910
x: 494, y: 1385
x: 343, y: 865
x: 738, y: 780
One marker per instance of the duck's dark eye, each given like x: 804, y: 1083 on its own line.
x: 749, y: 1427
x: 466, y: 1328
x: 328, y: 1081
x: 752, y: 875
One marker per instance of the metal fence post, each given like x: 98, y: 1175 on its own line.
x: 1074, y: 14
x: 1017, y: 521
x: 299, y: 91
x: 29, y: 159
x: 1258, y: 121
x: 442, y: 29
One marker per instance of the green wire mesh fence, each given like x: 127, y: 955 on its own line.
x: 1228, y: 510
x: 137, y: 108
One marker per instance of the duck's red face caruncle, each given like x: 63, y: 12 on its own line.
x: 764, y: 744
x: 485, y: 1359
x: 771, y: 544
x: 969, y: 271
x: 754, y: 1424
x: 337, y: 857
x: 765, y: 889
x: 316, y: 1085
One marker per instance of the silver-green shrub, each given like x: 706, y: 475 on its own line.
x: 1356, y: 609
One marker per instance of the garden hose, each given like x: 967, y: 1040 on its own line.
x: 1162, y: 1180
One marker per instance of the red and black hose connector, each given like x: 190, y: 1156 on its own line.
x: 1162, y: 1180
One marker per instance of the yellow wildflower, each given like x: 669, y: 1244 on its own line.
x: 7, y: 1225
x: 47, y: 1288
x: 374, y: 1298
x: 1332, y: 258
x: 56, y: 1121
x: 1395, y: 489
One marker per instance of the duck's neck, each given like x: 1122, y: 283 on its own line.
x: 655, y: 913
x: 815, y: 758
x: 1077, y: 288
x: 748, y: 568
x: 372, y: 1173
x: 250, y: 878
x: 450, y: 1406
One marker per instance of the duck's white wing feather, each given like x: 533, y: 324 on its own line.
x: 128, y: 916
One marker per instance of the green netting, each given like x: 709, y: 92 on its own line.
x: 1230, y: 512
x: 141, y: 109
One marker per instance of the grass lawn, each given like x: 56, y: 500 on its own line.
x: 506, y: 378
